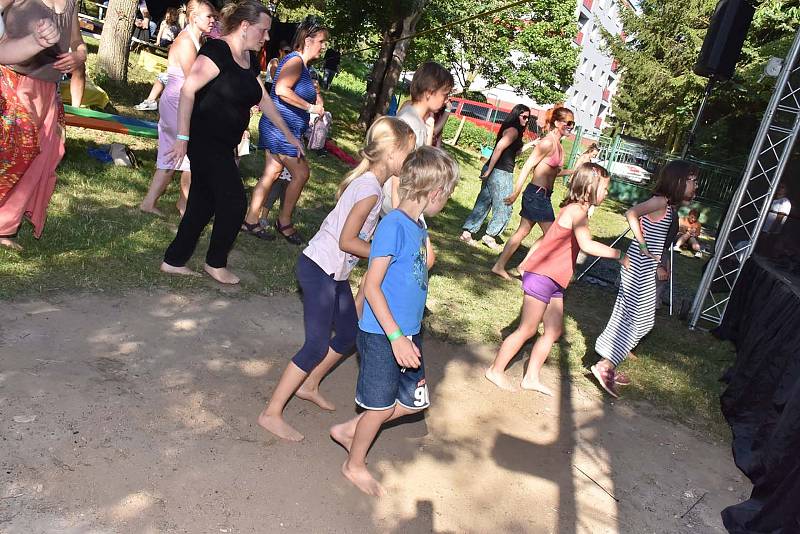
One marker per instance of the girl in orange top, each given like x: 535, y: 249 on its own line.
x: 547, y: 272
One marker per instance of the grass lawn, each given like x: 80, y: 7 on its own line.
x: 97, y: 240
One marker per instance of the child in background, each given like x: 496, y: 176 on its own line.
x: 169, y: 28
x: 430, y: 89
x: 635, y: 308
x: 548, y: 271
x: 391, y: 378
x: 323, y: 271
x: 689, y: 232
x: 589, y: 156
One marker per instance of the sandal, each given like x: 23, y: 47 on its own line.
x: 294, y: 238
x: 257, y: 230
x: 606, y: 379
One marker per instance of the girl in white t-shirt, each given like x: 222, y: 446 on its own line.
x: 323, y: 271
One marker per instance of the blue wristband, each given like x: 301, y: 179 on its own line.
x: 181, y: 137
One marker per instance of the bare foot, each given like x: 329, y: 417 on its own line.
x: 221, y: 275
x: 632, y: 356
x: 343, y: 435
x: 499, y: 379
x: 171, y: 269
x: 466, y: 237
x: 151, y: 210
x: 535, y: 385
x: 501, y: 272
x: 10, y: 243
x: 315, y: 397
x: 181, y: 205
x: 363, y: 480
x: 279, y: 427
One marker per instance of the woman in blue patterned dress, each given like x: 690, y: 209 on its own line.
x: 296, y: 98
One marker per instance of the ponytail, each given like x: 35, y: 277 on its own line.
x: 386, y: 134
x: 234, y: 13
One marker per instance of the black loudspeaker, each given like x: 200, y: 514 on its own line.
x: 724, y: 39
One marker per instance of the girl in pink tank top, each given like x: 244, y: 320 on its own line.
x: 548, y: 271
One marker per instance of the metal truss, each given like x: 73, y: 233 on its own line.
x: 739, y: 233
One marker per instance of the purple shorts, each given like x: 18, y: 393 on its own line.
x: 541, y: 287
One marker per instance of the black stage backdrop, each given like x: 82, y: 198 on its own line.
x: 762, y: 400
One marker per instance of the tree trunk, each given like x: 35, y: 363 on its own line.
x: 386, y: 70
x: 376, y: 78
x: 112, y: 56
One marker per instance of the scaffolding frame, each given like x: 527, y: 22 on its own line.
x: 748, y: 210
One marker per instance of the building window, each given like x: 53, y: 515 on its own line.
x: 584, y: 65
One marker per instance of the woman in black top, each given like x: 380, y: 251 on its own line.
x: 498, y: 179
x: 217, y: 96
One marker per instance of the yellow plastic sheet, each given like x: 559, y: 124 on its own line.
x: 152, y: 63
x: 93, y: 96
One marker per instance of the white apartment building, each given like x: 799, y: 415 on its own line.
x: 596, y: 77
x: 595, y: 80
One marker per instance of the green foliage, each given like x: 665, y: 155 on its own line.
x: 472, y: 137
x: 659, y: 94
x: 528, y: 47
x: 475, y: 96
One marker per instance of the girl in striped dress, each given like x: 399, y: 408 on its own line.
x: 634, y: 311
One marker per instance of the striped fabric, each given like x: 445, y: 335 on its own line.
x: 270, y: 137
x: 635, y: 309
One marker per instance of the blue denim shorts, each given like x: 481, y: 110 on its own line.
x: 536, y: 204
x: 382, y: 383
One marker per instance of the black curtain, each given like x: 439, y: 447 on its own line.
x: 762, y: 400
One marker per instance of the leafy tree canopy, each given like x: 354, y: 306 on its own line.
x: 658, y: 92
x: 528, y: 46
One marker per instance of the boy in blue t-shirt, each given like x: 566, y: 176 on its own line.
x: 391, y: 377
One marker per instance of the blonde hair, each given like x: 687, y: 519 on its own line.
x: 425, y: 170
x: 386, y: 135
x: 584, y: 183
x: 193, y: 5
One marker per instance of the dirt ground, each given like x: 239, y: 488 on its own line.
x: 145, y: 408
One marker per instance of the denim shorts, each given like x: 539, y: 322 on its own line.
x: 536, y: 205
x: 382, y: 383
x: 541, y: 287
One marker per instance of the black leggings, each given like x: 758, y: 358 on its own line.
x: 216, y: 191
